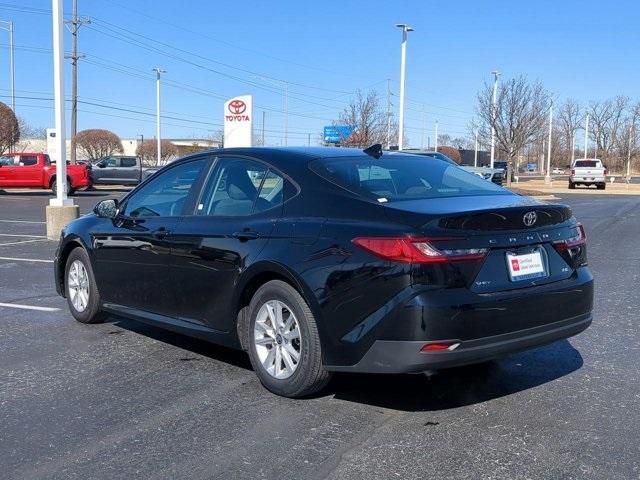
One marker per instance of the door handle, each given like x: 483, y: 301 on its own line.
x: 245, y: 235
x: 160, y: 233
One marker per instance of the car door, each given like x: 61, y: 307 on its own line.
x: 27, y: 172
x: 232, y: 222
x: 107, y: 168
x: 132, y: 251
x: 7, y: 170
x: 129, y: 171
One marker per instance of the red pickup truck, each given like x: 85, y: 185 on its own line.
x: 20, y: 170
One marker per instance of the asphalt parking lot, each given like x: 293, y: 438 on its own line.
x: 124, y: 400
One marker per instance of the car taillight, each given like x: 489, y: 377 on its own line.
x: 416, y: 250
x: 606, y: 172
x: 573, y: 171
x: 578, y: 240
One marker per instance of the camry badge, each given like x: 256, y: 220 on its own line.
x: 530, y: 218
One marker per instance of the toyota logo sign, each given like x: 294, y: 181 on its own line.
x: 530, y: 218
x: 237, y: 107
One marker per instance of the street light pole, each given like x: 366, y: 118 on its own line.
x: 436, y: 136
x: 61, y: 209
x: 158, y: 140
x: 388, y: 114
x: 547, y: 178
x: 475, y: 152
x: 586, y: 136
x: 495, y: 74
x: 403, y: 63
x: 12, y: 68
x: 631, y: 129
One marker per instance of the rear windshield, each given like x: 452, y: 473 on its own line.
x: 402, y: 177
x: 587, y: 163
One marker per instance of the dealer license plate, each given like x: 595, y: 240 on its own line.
x: 525, y: 266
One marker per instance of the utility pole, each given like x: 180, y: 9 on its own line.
x: 475, y: 152
x: 495, y: 74
x: 263, y: 115
x: 631, y: 132
x: 573, y: 147
x: 308, y: 139
x: 547, y: 178
x: 158, y: 73
x: 12, y: 67
x: 403, y: 63
x: 423, y: 128
x: 388, y: 114
x: 286, y: 113
x: 586, y: 136
x: 74, y: 25
x: 436, y: 149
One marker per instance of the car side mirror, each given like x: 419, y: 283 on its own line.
x: 106, y: 208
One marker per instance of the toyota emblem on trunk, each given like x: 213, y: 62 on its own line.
x: 530, y: 218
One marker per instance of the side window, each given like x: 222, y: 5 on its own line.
x: 232, y: 189
x: 109, y: 162
x: 28, y: 160
x: 166, y: 194
x: 127, y: 162
x: 239, y: 187
x: 6, y: 160
x: 271, y: 193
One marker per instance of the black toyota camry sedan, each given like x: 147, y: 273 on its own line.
x: 321, y: 260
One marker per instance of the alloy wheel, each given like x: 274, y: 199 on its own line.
x: 277, y: 339
x: 78, y: 286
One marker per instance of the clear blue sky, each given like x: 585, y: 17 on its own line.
x: 212, y: 50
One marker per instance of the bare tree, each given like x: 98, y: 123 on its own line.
x: 569, y: 118
x: 460, y: 143
x: 627, y: 146
x: 608, y: 118
x: 368, y: 120
x: 97, y: 143
x: 520, y: 118
x: 9, y: 128
x: 444, y: 139
x: 148, y: 151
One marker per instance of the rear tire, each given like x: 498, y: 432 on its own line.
x: 81, y: 290
x: 572, y: 185
x: 602, y: 186
x: 274, y: 340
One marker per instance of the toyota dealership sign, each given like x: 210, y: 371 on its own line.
x: 238, y: 121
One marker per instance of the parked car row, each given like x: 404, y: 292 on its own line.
x: 36, y: 170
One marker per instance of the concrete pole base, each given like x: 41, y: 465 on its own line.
x: 58, y: 217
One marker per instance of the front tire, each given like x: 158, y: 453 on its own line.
x: 81, y: 290
x: 283, y: 342
x: 54, y: 187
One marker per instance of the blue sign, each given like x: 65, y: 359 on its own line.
x: 337, y: 133
x: 532, y: 167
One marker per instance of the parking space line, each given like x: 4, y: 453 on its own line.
x: 20, y: 235
x: 29, y: 307
x: 24, y: 241
x: 20, y: 221
x: 12, y: 259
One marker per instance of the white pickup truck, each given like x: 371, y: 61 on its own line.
x: 588, y: 172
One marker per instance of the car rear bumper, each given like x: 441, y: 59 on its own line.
x: 484, y: 326
x: 395, y: 356
x: 587, y: 179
